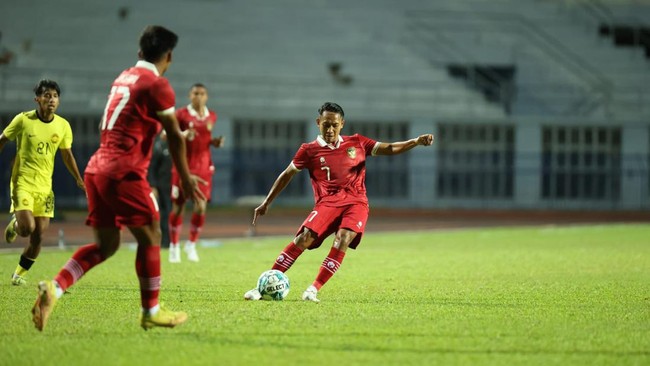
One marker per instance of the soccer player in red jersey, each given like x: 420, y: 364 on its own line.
x: 116, y: 180
x: 196, y: 121
x: 337, y: 167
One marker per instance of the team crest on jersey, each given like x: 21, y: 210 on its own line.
x: 209, y: 126
x: 55, y: 138
x: 352, y: 152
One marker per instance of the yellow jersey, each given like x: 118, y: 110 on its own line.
x: 36, y: 144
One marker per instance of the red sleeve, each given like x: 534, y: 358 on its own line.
x: 163, y: 96
x: 368, y: 144
x: 301, y: 159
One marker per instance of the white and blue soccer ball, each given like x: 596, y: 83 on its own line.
x: 273, y: 285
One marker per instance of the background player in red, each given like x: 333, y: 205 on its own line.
x: 337, y: 167
x: 116, y: 180
x: 196, y: 121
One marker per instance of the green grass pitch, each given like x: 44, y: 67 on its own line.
x: 528, y: 296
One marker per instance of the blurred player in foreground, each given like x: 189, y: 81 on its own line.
x: 197, y: 122
x: 38, y: 134
x: 337, y: 167
x: 116, y: 180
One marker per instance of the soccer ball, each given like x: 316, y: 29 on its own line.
x: 273, y: 285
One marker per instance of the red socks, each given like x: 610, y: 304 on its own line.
x: 289, y: 255
x: 197, y: 222
x: 85, y: 258
x: 330, y: 265
x: 175, y: 225
x: 147, y: 266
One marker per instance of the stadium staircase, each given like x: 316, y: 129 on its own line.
x: 284, y: 57
x: 398, y: 59
x: 561, y: 65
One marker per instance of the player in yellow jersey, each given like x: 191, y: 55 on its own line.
x: 38, y: 135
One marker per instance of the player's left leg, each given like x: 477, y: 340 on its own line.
x: 22, y: 219
x: 331, y: 263
x: 83, y: 260
x: 25, y: 223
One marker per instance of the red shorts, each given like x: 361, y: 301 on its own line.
x: 177, y: 191
x: 113, y: 203
x: 326, y: 220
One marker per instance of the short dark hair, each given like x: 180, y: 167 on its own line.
x: 44, y: 85
x: 331, y: 107
x: 155, y: 41
x: 198, y: 85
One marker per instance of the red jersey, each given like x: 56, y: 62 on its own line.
x: 130, y: 122
x: 338, y: 172
x: 198, y: 146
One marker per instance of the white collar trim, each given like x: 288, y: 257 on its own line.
x: 147, y: 65
x: 195, y: 114
x: 321, y: 141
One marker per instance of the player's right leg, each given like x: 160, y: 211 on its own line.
x: 83, y: 260
x: 48, y: 294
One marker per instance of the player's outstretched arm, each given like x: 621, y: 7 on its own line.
x: 280, y: 183
x: 178, y: 151
x: 71, y: 164
x: 394, y: 148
